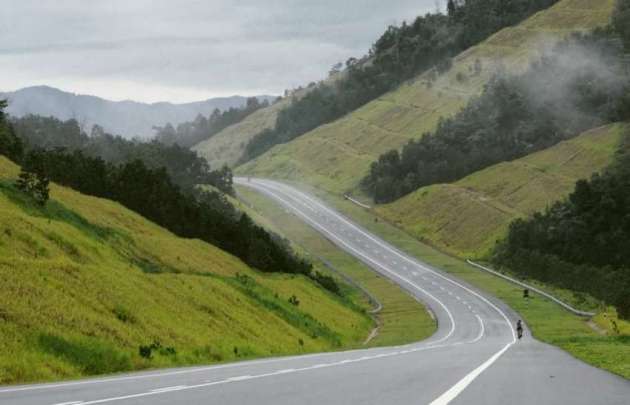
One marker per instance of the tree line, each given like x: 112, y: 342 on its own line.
x: 579, y: 85
x: 184, y: 167
x: 582, y: 243
x: 189, y: 212
x: 398, y: 55
x: 188, y: 134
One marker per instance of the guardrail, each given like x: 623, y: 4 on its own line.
x: 536, y: 290
x: 359, y: 203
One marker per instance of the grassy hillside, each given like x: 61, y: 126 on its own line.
x: 226, y: 147
x: 84, y: 282
x: 467, y: 217
x: 336, y: 156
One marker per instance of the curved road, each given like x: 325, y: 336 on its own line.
x: 473, y: 358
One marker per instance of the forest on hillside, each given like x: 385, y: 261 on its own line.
x: 399, y: 54
x: 183, y: 166
x: 580, y: 84
x: 581, y: 243
x: 136, y: 175
x: 188, y: 134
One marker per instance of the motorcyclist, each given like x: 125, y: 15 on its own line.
x: 519, y: 328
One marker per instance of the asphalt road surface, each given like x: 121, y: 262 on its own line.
x: 473, y: 358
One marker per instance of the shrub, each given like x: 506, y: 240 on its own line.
x: 35, y: 185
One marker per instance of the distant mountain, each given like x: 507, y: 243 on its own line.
x: 126, y: 118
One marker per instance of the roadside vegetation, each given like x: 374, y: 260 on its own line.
x: 90, y: 287
x: 402, y: 318
x: 581, y: 243
x: 602, y: 341
x: 182, y: 208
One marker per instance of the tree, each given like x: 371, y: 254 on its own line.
x: 10, y: 145
x: 621, y: 21
x: 35, y: 185
x: 451, y: 8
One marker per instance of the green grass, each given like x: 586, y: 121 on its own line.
x: 336, y: 156
x: 85, y: 282
x: 402, y: 319
x: 466, y: 218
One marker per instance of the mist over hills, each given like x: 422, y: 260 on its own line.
x: 125, y: 118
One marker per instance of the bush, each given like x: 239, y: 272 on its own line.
x: 293, y: 300
x: 90, y: 355
x: 35, y: 185
x: 327, y: 282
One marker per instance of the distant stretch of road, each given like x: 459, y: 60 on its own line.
x: 473, y: 358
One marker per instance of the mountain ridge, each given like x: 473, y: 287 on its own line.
x: 126, y: 117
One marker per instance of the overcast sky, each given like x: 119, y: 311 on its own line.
x: 186, y: 50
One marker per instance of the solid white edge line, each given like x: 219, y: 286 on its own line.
x: 459, y: 387
x: 361, y: 254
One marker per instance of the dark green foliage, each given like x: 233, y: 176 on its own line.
x: 123, y: 314
x: 293, y: 300
x: 33, y: 180
x: 582, y: 243
x: 327, y: 282
x: 286, y: 309
x: 621, y: 21
x: 578, y: 86
x: 398, y: 55
x: 35, y: 185
x: 90, y: 355
x: 146, y: 351
x: 150, y: 192
x: 10, y: 145
x: 189, y: 134
x: 184, y: 167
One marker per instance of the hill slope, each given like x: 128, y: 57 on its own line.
x: 336, y: 156
x: 468, y: 216
x: 85, y: 282
x: 227, y: 146
x: 126, y: 118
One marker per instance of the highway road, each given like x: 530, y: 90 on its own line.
x: 473, y: 358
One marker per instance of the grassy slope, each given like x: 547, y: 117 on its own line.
x: 336, y: 156
x: 402, y: 319
x: 84, y: 282
x: 228, y: 145
x: 599, y: 345
x: 465, y: 218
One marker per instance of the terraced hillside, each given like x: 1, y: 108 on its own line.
x: 468, y: 216
x: 85, y: 282
x: 336, y: 156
